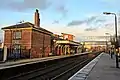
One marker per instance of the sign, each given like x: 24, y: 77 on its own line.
x: 16, y: 42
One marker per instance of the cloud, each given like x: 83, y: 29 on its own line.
x: 92, y: 26
x: 55, y: 22
x: 74, y: 23
x: 62, y: 9
x: 90, y: 29
x: 26, y: 4
x: 22, y: 5
x: 88, y: 21
x: 59, y: 6
x: 78, y: 31
x: 100, y: 20
x: 31, y: 4
x: 91, y: 19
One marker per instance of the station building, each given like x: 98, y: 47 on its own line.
x: 27, y: 39
x: 64, y: 44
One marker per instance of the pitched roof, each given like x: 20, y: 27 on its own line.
x: 22, y: 25
x: 40, y: 28
x: 25, y: 25
x: 67, y: 34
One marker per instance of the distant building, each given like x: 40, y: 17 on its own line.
x: 65, y: 44
x: 68, y: 36
x: 96, y: 45
x: 27, y: 39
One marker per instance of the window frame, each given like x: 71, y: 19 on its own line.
x: 15, y: 33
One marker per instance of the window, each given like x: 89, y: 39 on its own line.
x: 17, y: 35
x: 16, y: 50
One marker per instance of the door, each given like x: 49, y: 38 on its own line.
x: 17, y: 51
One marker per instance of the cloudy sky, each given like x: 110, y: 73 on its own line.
x: 78, y: 17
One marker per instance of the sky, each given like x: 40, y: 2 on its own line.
x: 77, y: 17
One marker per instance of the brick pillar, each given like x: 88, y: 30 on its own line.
x: 61, y: 51
x: 69, y: 49
x: 65, y: 50
x: 58, y: 50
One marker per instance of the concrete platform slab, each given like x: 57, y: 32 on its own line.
x: 83, y: 73
x: 105, y: 69
x: 10, y: 64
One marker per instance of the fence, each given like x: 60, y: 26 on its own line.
x: 18, y: 53
x: 1, y: 54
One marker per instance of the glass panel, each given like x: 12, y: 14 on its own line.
x: 17, y: 35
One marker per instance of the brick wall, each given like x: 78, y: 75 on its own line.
x: 47, y: 44
x: 37, y: 44
x: 26, y: 38
x: 70, y: 37
x: 7, y: 38
x: 25, y: 41
x: 40, y: 44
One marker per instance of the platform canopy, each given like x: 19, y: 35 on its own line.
x: 67, y: 42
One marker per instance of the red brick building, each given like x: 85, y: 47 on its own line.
x: 64, y: 44
x: 27, y: 39
x: 68, y: 36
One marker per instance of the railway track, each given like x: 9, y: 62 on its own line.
x: 65, y: 75
x: 60, y: 71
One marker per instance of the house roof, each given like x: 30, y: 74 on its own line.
x: 67, y: 34
x: 25, y: 25
x: 68, y: 42
x: 22, y: 25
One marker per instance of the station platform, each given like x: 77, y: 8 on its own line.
x: 9, y: 64
x: 101, y: 68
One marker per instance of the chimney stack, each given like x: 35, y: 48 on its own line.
x: 37, y: 19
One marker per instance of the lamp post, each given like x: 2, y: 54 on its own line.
x: 109, y: 34
x: 106, y: 43
x: 116, y: 40
x: 110, y: 50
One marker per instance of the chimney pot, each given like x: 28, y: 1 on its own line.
x: 36, y: 10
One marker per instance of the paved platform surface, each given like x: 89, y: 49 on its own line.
x: 83, y: 73
x: 101, y: 68
x: 105, y: 69
x: 13, y: 63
